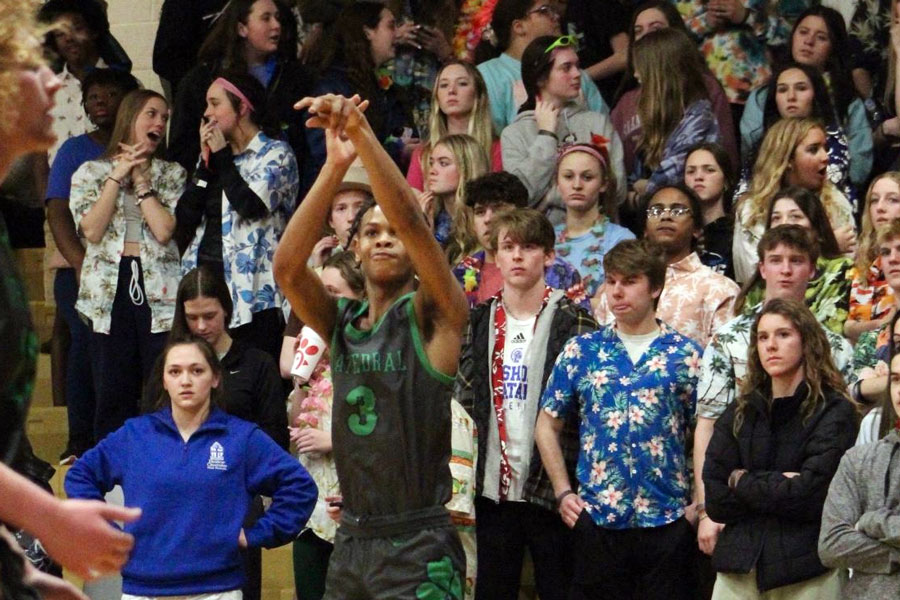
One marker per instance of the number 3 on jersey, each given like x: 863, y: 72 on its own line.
x: 363, y: 422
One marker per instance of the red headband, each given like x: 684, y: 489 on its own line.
x: 228, y: 86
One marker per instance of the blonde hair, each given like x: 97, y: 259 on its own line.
x: 868, y: 243
x: 671, y: 72
x: 471, y: 162
x: 776, y: 154
x: 129, y: 109
x: 20, y: 49
x: 480, y: 126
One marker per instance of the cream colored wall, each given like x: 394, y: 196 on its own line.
x: 134, y: 23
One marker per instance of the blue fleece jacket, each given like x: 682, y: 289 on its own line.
x: 194, y: 496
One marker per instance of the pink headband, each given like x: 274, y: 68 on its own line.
x: 228, y: 86
x: 587, y: 149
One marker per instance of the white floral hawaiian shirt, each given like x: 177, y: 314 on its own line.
x: 159, y: 262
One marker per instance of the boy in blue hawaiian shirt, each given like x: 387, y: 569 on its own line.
x: 633, y: 385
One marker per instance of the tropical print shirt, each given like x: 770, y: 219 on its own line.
x: 587, y: 250
x: 725, y: 364
x: 737, y: 54
x: 632, y: 470
x: 315, y: 412
x: 871, y: 298
x: 695, y: 300
x: 270, y: 169
x: 872, y: 348
x: 560, y: 276
x: 827, y: 296
x: 463, y: 458
x: 159, y: 262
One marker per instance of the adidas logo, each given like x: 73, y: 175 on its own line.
x: 519, y: 339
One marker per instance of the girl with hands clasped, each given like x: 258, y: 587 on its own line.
x: 233, y: 212
x: 124, y: 205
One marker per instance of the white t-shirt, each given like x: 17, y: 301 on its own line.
x: 636, y: 345
x: 519, y: 429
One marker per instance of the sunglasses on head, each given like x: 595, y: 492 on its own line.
x: 564, y: 41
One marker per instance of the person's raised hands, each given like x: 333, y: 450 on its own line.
x: 334, y: 112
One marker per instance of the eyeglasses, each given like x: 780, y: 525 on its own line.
x: 543, y: 9
x: 564, y: 41
x: 657, y: 211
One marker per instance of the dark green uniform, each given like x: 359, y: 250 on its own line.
x: 391, y: 432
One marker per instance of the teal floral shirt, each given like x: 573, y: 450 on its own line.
x: 632, y: 470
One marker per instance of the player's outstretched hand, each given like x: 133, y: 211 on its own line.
x: 80, y: 537
x: 341, y: 114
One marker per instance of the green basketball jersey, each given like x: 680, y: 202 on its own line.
x: 391, y: 414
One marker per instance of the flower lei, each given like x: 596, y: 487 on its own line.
x: 474, y: 17
x: 383, y: 75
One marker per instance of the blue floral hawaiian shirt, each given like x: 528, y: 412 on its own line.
x: 270, y: 169
x: 632, y: 469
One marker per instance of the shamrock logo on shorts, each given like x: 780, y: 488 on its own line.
x: 444, y: 583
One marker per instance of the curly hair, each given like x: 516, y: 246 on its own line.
x: 775, y: 157
x: 818, y: 366
x: 19, y: 49
x: 868, y: 249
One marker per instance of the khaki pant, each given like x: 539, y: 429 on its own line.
x: 735, y: 586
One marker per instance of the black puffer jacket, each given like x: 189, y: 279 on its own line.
x: 771, y: 521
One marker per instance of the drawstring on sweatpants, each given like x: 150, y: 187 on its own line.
x: 134, y: 286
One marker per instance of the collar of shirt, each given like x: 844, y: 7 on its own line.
x: 688, y: 264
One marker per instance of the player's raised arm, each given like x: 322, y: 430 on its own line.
x: 303, y: 288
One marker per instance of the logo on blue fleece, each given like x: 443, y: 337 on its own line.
x: 217, y: 458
